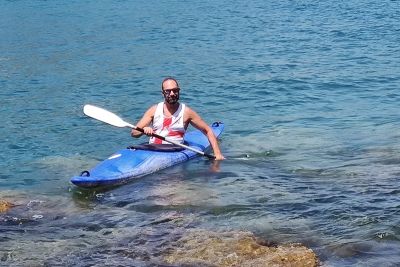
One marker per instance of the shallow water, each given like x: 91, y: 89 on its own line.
x: 308, y: 92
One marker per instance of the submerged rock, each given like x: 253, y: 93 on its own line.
x: 5, y: 206
x: 203, y: 248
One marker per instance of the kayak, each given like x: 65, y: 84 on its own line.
x: 137, y: 161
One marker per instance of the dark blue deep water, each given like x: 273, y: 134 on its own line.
x: 309, y: 92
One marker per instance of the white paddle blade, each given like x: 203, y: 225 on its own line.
x: 105, y: 116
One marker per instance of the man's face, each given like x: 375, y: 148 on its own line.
x: 171, y: 92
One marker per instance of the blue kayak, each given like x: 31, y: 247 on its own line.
x: 136, y: 161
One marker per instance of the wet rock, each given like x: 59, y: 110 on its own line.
x: 203, y: 248
x: 5, y: 205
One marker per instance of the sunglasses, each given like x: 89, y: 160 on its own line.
x: 168, y: 91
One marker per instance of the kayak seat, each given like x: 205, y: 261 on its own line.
x: 157, y: 147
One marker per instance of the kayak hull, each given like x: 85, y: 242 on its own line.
x: 128, y: 164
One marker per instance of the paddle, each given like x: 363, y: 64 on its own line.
x: 110, y: 118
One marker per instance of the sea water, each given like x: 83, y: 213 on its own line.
x: 309, y: 92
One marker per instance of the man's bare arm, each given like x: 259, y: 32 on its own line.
x: 200, y: 124
x: 144, y: 122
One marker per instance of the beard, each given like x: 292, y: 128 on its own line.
x: 171, y: 99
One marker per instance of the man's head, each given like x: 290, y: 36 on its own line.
x: 170, y: 89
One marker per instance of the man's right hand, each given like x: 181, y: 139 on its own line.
x: 148, y: 131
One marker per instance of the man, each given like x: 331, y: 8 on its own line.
x: 171, y: 119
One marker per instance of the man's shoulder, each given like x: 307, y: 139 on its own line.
x: 159, y: 104
x: 187, y: 108
x: 190, y: 112
x: 152, y: 109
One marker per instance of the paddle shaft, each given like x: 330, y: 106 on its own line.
x: 173, y: 142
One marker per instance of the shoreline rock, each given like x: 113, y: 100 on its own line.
x: 204, y: 248
x: 5, y: 206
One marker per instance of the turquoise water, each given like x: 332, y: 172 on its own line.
x: 308, y: 92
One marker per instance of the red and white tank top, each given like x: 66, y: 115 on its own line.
x: 171, y: 128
